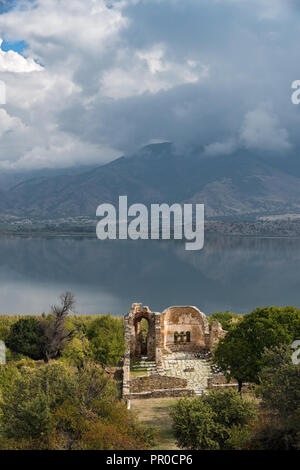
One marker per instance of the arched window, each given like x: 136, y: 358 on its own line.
x: 188, y: 336
x: 176, y: 337
x: 181, y: 336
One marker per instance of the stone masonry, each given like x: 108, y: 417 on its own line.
x: 175, y: 332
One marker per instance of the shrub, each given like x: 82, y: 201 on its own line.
x: 207, y: 422
x: 58, y: 407
x: 77, y: 351
x: 106, y: 335
x: 279, y: 391
x: 26, y: 337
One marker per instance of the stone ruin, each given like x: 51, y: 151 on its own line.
x: 176, y: 329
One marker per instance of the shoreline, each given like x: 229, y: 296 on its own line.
x: 42, y: 234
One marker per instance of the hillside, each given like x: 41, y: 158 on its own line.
x: 230, y: 186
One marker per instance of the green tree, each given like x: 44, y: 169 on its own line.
x: 6, y: 322
x: 8, y: 374
x: 77, y: 351
x: 27, y: 337
x: 58, y: 407
x: 239, y: 354
x: 279, y: 391
x: 26, y: 409
x: 227, y: 319
x: 207, y: 422
x: 279, y: 378
x: 106, y: 336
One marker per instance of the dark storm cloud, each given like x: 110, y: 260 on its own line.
x: 215, y: 74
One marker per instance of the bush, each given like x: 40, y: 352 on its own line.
x: 77, y: 351
x: 26, y: 337
x: 207, y: 422
x: 58, y: 407
x: 6, y: 322
x: 279, y: 391
x: 106, y: 335
x: 8, y: 374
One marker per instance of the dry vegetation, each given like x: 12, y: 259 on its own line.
x: 155, y: 412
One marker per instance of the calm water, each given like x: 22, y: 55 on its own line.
x: 229, y: 273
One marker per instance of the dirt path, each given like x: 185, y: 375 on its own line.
x: 155, y: 412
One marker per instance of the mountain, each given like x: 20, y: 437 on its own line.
x: 238, y: 185
x: 9, y: 179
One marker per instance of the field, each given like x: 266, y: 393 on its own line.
x: 155, y: 412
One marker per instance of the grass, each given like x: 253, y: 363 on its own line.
x: 155, y: 412
x: 138, y: 370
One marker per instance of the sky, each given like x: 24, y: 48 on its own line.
x: 90, y: 80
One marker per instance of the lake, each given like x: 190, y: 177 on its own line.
x: 230, y: 273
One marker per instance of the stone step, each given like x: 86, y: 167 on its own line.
x: 199, y: 391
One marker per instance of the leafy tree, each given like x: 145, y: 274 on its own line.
x: 27, y: 407
x: 58, y: 407
x: 279, y: 390
x: 206, y: 422
x: 26, y: 337
x: 239, y: 354
x: 4, y: 331
x: 227, y: 319
x: 106, y: 335
x: 194, y: 425
x: 77, y: 351
x: 279, y: 386
x: 8, y: 374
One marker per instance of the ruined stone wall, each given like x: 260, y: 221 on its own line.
x: 215, y: 334
x: 160, y: 340
x: 219, y: 381
x: 199, y: 335
x: 126, y: 364
x: 186, y: 347
x: 188, y: 320
x: 148, y: 383
x: 133, y: 323
x: 171, y: 392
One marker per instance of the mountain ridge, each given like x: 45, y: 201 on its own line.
x: 229, y: 186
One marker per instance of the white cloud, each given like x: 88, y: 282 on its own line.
x: 221, y: 148
x: 55, y: 24
x: 149, y: 71
x: 261, y: 130
x: 67, y: 150
x: 9, y: 123
x: 67, y: 38
x: 11, y: 61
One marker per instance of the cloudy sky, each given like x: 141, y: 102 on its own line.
x: 89, y: 80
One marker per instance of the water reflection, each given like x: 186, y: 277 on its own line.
x: 229, y: 273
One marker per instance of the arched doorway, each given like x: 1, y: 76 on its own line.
x: 144, y: 334
x: 141, y: 332
x: 141, y: 326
